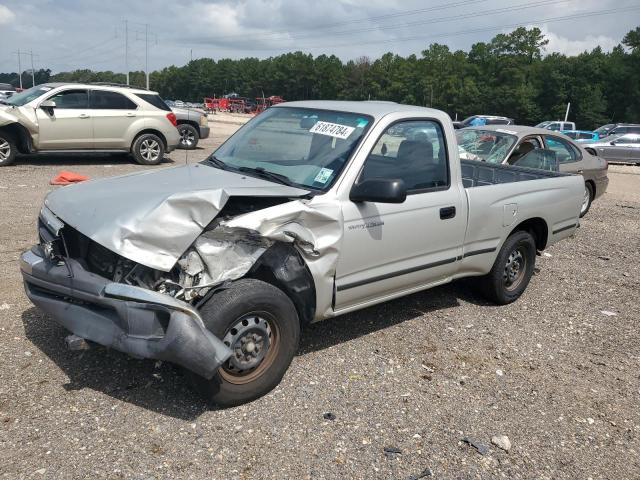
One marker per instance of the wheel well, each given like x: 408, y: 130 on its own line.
x: 154, y: 132
x: 188, y: 122
x: 593, y: 186
x: 283, y: 267
x: 538, y: 228
x: 21, y: 136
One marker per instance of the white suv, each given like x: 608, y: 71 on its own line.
x: 71, y: 117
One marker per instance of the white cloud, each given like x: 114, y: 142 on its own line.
x: 6, y: 15
x: 560, y: 44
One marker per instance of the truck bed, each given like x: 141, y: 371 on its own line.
x: 479, y: 174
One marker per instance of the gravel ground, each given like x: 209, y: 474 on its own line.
x: 415, y: 376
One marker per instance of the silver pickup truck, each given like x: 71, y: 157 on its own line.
x: 311, y: 210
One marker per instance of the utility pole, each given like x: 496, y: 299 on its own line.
x: 126, y: 48
x: 191, y: 54
x: 19, y: 66
x: 146, y: 52
x: 33, y: 71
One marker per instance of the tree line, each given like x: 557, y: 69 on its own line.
x: 509, y: 75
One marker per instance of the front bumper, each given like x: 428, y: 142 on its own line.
x: 204, y: 132
x: 133, y: 320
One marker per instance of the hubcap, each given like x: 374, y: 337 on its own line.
x: 5, y: 150
x: 187, y: 137
x: 150, y: 150
x: 514, y: 269
x: 253, y: 343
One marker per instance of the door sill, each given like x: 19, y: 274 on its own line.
x: 110, y: 150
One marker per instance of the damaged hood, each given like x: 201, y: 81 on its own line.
x: 153, y: 217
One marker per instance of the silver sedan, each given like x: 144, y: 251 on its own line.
x: 619, y: 148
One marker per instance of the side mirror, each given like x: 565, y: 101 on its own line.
x: 383, y: 190
x: 612, y: 143
x: 48, y: 105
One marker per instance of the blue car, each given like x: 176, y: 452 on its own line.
x: 581, y: 135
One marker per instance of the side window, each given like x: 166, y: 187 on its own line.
x: 68, y: 99
x: 565, y: 152
x: 105, y: 100
x: 413, y: 151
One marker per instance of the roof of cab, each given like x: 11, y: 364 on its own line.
x: 376, y: 109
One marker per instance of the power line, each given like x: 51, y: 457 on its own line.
x: 467, y: 31
x: 325, y: 26
x: 446, y: 19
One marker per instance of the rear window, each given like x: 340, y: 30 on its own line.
x: 107, y: 100
x: 154, y: 100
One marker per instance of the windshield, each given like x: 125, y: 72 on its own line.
x: 304, y: 147
x: 486, y: 145
x: 604, y: 129
x: 543, y: 124
x: 22, y: 98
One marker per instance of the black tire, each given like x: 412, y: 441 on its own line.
x: 249, y: 299
x: 189, y: 136
x: 500, y: 285
x: 8, y: 149
x: 588, y: 191
x: 148, y: 149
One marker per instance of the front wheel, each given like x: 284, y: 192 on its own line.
x: 189, y: 136
x: 511, y: 270
x: 7, y: 149
x: 260, y: 325
x: 148, y: 149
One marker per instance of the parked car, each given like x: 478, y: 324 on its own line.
x: 477, y: 120
x: 537, y: 148
x: 6, y: 90
x: 193, y: 125
x: 619, y: 148
x: 311, y: 210
x: 556, y: 125
x: 581, y: 135
x: 73, y: 117
x: 617, y: 129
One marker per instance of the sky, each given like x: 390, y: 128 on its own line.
x: 72, y: 34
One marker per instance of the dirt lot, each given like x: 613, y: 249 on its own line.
x: 553, y: 372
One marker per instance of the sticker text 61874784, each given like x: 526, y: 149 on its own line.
x: 332, y: 129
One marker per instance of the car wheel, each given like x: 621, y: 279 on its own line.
x: 7, y: 149
x: 511, y: 270
x: 189, y: 136
x: 148, y: 149
x: 587, y: 199
x: 260, y: 325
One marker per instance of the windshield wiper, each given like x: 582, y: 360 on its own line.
x: 216, y: 162
x: 274, y: 177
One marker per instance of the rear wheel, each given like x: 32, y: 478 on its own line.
x: 511, y: 270
x: 587, y: 199
x: 7, y: 149
x: 260, y: 325
x: 148, y: 149
x: 189, y: 136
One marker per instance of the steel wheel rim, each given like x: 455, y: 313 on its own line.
x: 150, y: 150
x: 585, y: 200
x: 187, y: 137
x: 235, y: 370
x: 514, y: 270
x: 5, y: 150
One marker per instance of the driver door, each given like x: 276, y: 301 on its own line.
x: 390, y: 248
x: 68, y: 125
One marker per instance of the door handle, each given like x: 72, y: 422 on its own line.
x: 447, y: 213
x: 131, y: 114
x: 83, y: 115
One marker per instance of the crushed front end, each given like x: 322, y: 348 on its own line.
x: 103, y: 297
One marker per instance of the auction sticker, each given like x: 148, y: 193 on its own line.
x: 332, y: 130
x: 323, y: 175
